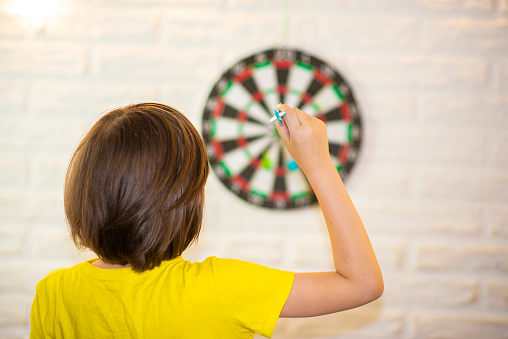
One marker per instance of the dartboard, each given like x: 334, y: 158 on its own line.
x: 244, y: 147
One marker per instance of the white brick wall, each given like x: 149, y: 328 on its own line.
x: 431, y: 184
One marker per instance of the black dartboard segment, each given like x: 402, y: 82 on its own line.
x: 245, y: 149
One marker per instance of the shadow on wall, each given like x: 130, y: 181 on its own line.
x: 369, y: 321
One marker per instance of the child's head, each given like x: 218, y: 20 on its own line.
x: 134, y: 186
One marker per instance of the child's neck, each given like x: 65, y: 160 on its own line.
x: 101, y: 264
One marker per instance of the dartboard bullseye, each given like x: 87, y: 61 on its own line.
x: 244, y: 148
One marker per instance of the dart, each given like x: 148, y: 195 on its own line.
x: 278, y: 115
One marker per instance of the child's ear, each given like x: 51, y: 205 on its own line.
x: 200, y: 196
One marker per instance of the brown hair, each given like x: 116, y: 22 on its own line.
x: 134, y: 186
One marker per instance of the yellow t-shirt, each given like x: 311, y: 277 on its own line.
x: 216, y: 298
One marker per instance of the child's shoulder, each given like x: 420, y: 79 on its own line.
x: 57, y: 274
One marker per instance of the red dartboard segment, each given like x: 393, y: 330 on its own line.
x: 241, y: 182
x: 242, y: 116
x: 285, y: 64
x: 244, y: 148
x: 217, y: 146
x: 322, y: 78
x: 346, y: 115
x: 280, y: 196
x: 258, y: 96
x: 243, y: 75
x: 343, y: 154
x: 219, y: 107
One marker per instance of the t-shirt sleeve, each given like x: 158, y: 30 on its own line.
x: 253, y: 295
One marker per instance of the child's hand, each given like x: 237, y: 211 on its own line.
x: 305, y: 138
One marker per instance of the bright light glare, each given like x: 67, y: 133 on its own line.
x: 36, y: 13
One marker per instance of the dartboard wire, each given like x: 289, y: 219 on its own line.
x: 246, y: 79
x: 317, y: 83
x: 279, y: 191
x: 238, y: 98
x: 245, y: 175
x: 266, y: 76
x: 237, y: 159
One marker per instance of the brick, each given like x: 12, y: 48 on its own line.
x: 184, y: 98
x: 441, y: 6
x: 191, y: 26
x: 390, y: 254
x: 392, y: 33
x: 14, y: 309
x: 162, y: 2
x: 434, y: 72
x: 12, y: 206
x: 406, y: 218
x: 49, y: 170
x: 486, y: 258
x: 14, y: 170
x: 498, y: 151
x: 396, y: 181
x: 43, y: 58
x: 452, y: 325
x: 451, y: 5
x: 503, y: 6
x: 12, y: 239
x: 80, y: 22
x: 13, y: 136
x: 497, y: 295
x: 381, y: 106
x: 260, y: 249
x: 45, y: 207
x: 475, y: 109
x: 503, y: 73
x: 498, y: 222
x: 467, y: 35
x: 443, y: 72
x: 13, y: 96
x: 498, y: 182
x: 75, y: 99
x: 431, y: 144
x: 421, y: 292
x: 156, y: 63
x: 10, y: 26
x: 59, y: 135
x: 21, y: 275
x: 311, y: 253
x: 52, y: 243
x: 133, y: 25
x: 455, y: 185
x: 16, y: 332
x: 363, y: 322
x: 245, y: 29
x: 303, y: 5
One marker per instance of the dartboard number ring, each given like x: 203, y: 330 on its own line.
x: 244, y: 148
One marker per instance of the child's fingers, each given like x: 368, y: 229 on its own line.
x: 291, y: 116
x: 283, y: 131
x: 303, y: 116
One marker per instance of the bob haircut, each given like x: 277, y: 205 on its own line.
x: 134, y: 186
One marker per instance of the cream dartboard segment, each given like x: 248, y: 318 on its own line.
x: 244, y: 148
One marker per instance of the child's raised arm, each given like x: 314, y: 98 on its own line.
x: 357, y: 279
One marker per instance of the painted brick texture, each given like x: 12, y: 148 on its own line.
x: 431, y: 183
